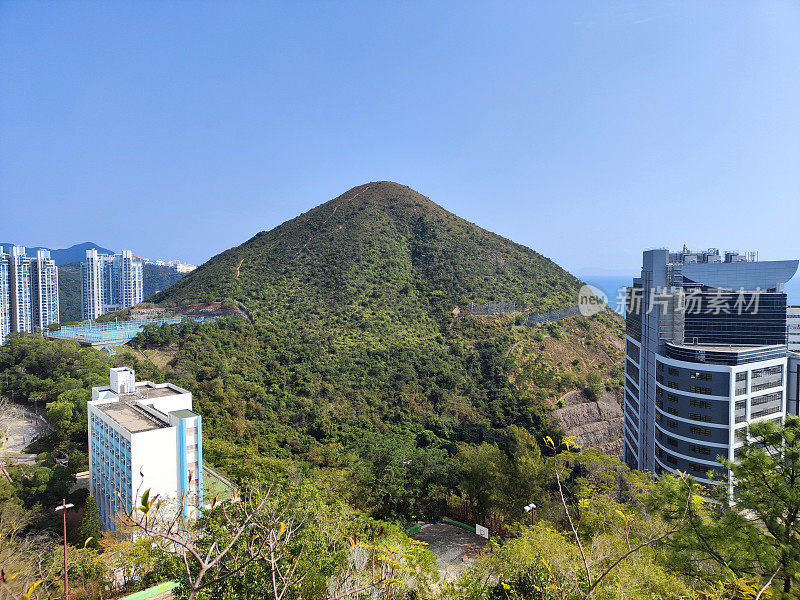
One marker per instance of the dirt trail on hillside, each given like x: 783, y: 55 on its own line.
x: 325, y: 222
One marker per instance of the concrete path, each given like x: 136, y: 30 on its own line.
x: 455, y: 548
x: 19, y: 426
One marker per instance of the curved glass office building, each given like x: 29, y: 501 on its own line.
x: 706, y: 354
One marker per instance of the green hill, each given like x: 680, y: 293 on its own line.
x: 353, y: 335
x: 378, y: 253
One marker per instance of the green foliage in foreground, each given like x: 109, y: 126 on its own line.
x: 760, y: 536
x: 634, y: 538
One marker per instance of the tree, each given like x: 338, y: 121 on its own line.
x: 482, y: 469
x: 275, y: 543
x: 89, y: 526
x: 59, y: 414
x: 754, y: 530
x: 594, y: 385
x: 767, y: 490
x: 526, y: 475
x: 594, y: 570
x: 27, y: 564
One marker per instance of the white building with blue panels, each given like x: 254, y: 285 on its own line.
x: 143, y: 436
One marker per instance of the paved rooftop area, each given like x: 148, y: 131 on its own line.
x: 150, y: 391
x: 132, y: 419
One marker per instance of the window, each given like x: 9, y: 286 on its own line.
x: 659, y: 378
x: 672, y: 460
x: 757, y: 387
x: 672, y: 410
x: 741, y: 376
x: 700, y: 376
x: 672, y: 424
x: 672, y: 441
x: 776, y: 370
x: 673, y: 385
x: 773, y: 397
x: 699, y: 431
x: 755, y: 414
x: 741, y: 411
x: 699, y: 403
x: 673, y: 371
x: 699, y: 417
x: 659, y: 404
x: 659, y: 392
x: 660, y: 366
x: 699, y: 389
x: 672, y: 397
x: 700, y: 450
x: 699, y: 469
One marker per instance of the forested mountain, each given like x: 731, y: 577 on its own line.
x: 353, y: 383
x: 379, y: 251
x: 358, y: 331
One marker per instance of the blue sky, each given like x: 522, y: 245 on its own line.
x: 585, y: 130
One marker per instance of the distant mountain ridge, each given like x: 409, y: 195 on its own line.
x: 63, y: 256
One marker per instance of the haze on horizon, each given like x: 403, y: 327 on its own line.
x: 587, y: 131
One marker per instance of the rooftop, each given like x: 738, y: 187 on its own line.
x: 148, y: 390
x: 184, y: 413
x: 131, y: 418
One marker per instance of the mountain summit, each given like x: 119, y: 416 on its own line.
x: 380, y: 250
x: 353, y: 334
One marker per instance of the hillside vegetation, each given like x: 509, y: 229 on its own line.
x: 379, y: 255
x: 358, y: 339
x: 350, y: 388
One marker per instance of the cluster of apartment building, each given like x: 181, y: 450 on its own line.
x: 710, y: 347
x: 110, y: 282
x: 176, y: 265
x: 143, y: 436
x: 28, y: 291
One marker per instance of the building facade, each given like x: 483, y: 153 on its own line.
x: 44, y: 290
x: 793, y: 384
x: 28, y: 291
x: 706, y: 354
x: 143, y: 436
x: 110, y: 282
x: 793, y: 327
x: 19, y: 287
